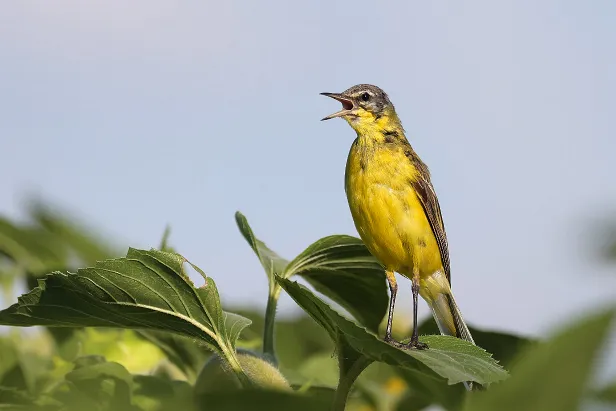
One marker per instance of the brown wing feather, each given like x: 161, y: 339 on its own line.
x: 427, y: 196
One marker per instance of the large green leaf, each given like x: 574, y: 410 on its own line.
x: 342, y: 268
x: 502, y: 346
x: 550, y: 376
x: 339, y: 266
x: 449, y: 359
x: 146, y: 290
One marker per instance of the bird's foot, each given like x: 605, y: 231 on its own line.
x: 416, y: 345
x: 411, y: 345
x: 389, y: 340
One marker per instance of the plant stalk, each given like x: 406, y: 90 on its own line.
x: 270, y: 320
x: 346, y: 381
x: 234, y: 363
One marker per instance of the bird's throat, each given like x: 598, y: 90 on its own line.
x: 381, y: 130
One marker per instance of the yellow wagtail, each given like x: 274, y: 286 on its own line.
x: 395, y: 209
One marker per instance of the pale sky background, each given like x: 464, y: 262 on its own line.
x: 138, y: 114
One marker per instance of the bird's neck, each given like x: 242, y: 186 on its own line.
x: 378, y: 130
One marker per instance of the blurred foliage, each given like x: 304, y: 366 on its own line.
x: 604, y: 238
x: 134, y: 333
x: 607, y: 394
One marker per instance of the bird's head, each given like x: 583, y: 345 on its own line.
x: 365, y: 107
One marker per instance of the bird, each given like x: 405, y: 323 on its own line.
x: 396, y: 211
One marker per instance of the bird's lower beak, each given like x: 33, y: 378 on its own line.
x: 347, y: 105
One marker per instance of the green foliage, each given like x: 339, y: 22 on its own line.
x: 145, y: 290
x: 340, y: 267
x: 448, y: 361
x: 135, y: 333
x: 607, y: 394
x: 552, y: 375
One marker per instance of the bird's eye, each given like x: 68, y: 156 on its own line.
x: 365, y: 96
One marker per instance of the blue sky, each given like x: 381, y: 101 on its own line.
x: 138, y: 114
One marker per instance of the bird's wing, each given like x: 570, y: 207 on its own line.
x: 427, y: 197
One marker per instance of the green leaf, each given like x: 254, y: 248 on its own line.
x: 262, y: 400
x: 503, y: 346
x: 448, y: 358
x: 271, y: 262
x: 552, y: 375
x: 147, y: 290
x: 341, y: 268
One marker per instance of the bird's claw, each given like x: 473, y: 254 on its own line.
x: 411, y: 345
x: 389, y: 340
x: 416, y: 345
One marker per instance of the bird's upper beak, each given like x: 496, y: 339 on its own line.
x: 347, y: 105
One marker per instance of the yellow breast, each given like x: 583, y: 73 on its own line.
x: 386, y: 211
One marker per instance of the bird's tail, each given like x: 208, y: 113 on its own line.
x: 448, y: 317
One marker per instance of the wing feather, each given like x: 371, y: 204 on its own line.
x: 428, y: 199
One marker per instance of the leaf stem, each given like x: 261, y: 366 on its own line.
x: 270, y: 320
x: 346, y: 381
x: 229, y: 354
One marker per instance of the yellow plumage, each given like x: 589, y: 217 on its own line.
x: 387, y: 213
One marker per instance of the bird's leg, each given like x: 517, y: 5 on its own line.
x: 393, y: 290
x: 414, y: 343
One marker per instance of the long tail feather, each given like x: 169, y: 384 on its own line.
x: 449, y: 318
x: 450, y: 322
x: 446, y: 313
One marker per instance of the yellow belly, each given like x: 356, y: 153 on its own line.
x: 387, y: 213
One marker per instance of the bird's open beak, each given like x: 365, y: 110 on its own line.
x: 347, y: 105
